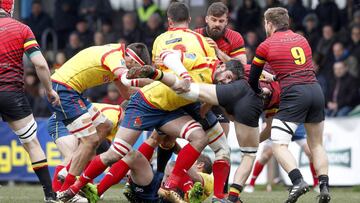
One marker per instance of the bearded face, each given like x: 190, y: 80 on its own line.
x: 216, y: 26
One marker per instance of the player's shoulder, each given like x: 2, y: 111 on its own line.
x: 200, y: 30
x: 229, y: 33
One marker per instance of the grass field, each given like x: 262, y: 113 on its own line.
x: 33, y: 193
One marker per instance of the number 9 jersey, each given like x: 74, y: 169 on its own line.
x: 289, y: 55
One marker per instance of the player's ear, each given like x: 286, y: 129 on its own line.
x: 189, y: 20
x: 207, y: 19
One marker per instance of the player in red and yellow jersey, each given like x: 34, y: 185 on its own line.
x: 91, y: 67
x: 302, y: 100
x: 17, y: 39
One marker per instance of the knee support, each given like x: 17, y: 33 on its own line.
x: 249, y: 151
x: 188, y: 128
x: 82, y: 126
x: 218, y: 142
x: 96, y: 116
x: 301, y: 142
x: 281, y: 131
x: 120, y: 147
x: 27, y: 133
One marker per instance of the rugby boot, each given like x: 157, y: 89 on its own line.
x: 194, y: 195
x: 297, y: 190
x: 324, y: 196
x: 90, y: 192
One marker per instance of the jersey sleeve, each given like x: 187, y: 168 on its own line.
x: 260, y: 55
x: 238, y: 45
x: 114, y: 59
x: 30, y: 44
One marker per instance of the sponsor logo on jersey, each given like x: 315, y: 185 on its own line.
x: 137, y: 122
x: 173, y: 40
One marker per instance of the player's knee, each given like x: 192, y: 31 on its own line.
x: 92, y: 141
x: 28, y: 133
x: 82, y: 126
x: 249, y: 151
x: 105, y: 128
x: 120, y: 147
x: 218, y: 142
x: 193, y: 132
x: 281, y: 132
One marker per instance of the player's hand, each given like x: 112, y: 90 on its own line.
x: 53, y: 97
x: 204, y: 108
x: 158, y: 61
x: 267, y: 77
x: 211, y: 42
x: 181, y: 86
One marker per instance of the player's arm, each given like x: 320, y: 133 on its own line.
x: 173, y: 60
x: 266, y: 132
x: 238, y: 52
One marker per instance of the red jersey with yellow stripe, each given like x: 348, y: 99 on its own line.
x: 91, y: 67
x: 112, y: 112
x: 231, y: 43
x: 164, y: 98
x: 182, y: 39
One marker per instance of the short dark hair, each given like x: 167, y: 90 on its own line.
x: 207, y: 163
x: 178, y: 12
x: 278, y: 16
x: 236, y: 67
x: 142, y: 51
x: 217, y: 9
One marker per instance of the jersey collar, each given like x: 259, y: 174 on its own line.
x: 177, y: 28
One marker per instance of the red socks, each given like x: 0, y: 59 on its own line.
x: 257, y: 170
x: 56, y: 184
x: 146, y: 150
x: 117, y: 171
x: 186, y: 158
x: 95, y: 168
x: 313, y: 172
x: 186, y: 183
x: 69, y: 180
x: 221, y: 170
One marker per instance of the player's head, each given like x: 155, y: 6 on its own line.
x: 178, y: 13
x: 216, y: 19
x: 276, y: 19
x: 203, y: 164
x: 228, y: 72
x: 7, y: 6
x: 137, y: 54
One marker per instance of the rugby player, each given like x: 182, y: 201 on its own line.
x: 15, y: 40
x: 180, y: 37
x: 91, y: 67
x: 301, y: 101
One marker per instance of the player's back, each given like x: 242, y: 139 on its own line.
x: 14, y: 38
x: 182, y: 39
x: 88, y: 68
x: 289, y: 54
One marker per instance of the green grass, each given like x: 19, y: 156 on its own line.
x: 33, y: 193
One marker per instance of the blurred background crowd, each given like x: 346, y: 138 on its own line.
x: 64, y: 27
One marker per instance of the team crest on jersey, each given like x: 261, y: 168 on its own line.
x: 137, y: 122
x: 191, y: 56
x: 82, y: 104
x: 173, y: 40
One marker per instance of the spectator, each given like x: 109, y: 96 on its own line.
x: 328, y: 14
x: 327, y: 40
x: 87, y: 9
x: 311, y: 30
x: 153, y: 28
x: 130, y: 30
x: 31, y: 83
x: 96, y: 94
x: 147, y: 9
x: 65, y: 18
x: 107, y: 30
x: 343, y: 92
x: 84, y: 33
x: 200, y: 22
x: 297, y: 12
x: 60, y: 59
x: 74, y: 45
x: 354, y: 46
x: 38, y: 20
x: 248, y: 16
x: 250, y: 53
x: 251, y: 40
x: 99, y: 39
x: 341, y: 54
x: 272, y: 4
x: 113, y: 96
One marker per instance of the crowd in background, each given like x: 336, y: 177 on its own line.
x: 333, y: 34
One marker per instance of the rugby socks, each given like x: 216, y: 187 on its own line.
x: 295, y: 176
x: 95, y: 168
x: 234, y: 192
x: 323, y: 181
x: 186, y: 158
x: 146, y: 150
x: 313, y: 172
x: 117, y: 171
x: 42, y: 172
x: 69, y: 180
x: 221, y: 170
x: 258, y: 167
x: 186, y: 183
x: 163, y: 156
x: 56, y: 183
x: 157, y: 75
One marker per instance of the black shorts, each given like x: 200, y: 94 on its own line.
x: 148, y: 193
x: 14, y: 106
x: 302, y: 104
x: 194, y: 111
x: 240, y: 100
x: 220, y: 115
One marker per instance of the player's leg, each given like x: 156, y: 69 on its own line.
x: 248, y: 139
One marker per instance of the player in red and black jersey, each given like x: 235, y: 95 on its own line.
x: 301, y: 100
x: 15, y: 40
